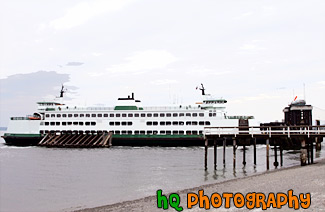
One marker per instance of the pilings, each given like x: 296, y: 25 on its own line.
x: 267, y: 154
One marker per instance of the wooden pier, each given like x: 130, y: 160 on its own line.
x: 76, y: 140
x: 280, y: 137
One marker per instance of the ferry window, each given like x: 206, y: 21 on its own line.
x: 117, y: 123
x: 64, y: 115
x: 175, y: 122
x: 162, y: 132
x: 181, y: 123
x: 93, y: 123
x: 137, y: 132
x: 194, y: 132
x: 155, y: 132
x: 143, y: 115
x: 52, y: 123
x: 201, y: 123
x: 82, y: 115
x: 53, y: 115
x: 58, y: 115
x: 117, y: 132
x: 210, y: 114
x: 155, y: 115
x: 123, y: 132
x: 175, y: 132
x: 93, y: 115
x: 129, y: 132
x: 111, y: 123
x: 46, y: 123
x: 149, y: 132
x: 88, y: 115
x: 207, y: 123
x: 47, y: 115
x: 214, y: 114
x: 99, y: 115
x: 188, y: 123
x: 194, y: 122
x: 149, y: 123
x: 69, y: 115
x: 142, y: 132
x: 168, y: 132
x: 175, y: 114
x: 123, y: 123
x: 149, y: 115
x: 155, y: 123
x: 162, y: 123
x: 162, y: 114
x: 181, y: 132
x: 42, y: 123
x: 136, y: 115
x: 87, y: 123
x: 105, y: 115
x: 81, y: 123
x: 75, y: 115
x: 64, y: 123
x: 130, y: 115
x: 75, y: 123
x: 181, y: 114
x: 168, y: 123
x: 129, y: 123
x: 111, y: 115
x: 123, y: 114
x: 188, y: 132
x: 69, y: 123
x: 188, y: 114
x: 57, y: 123
x: 201, y: 114
x: 117, y: 115
x: 194, y: 114
x: 169, y: 115
x: 200, y: 132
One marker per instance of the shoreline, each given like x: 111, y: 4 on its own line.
x: 301, y: 179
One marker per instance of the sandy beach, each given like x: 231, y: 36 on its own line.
x: 307, y: 179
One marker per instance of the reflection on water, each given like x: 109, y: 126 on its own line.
x: 53, y: 179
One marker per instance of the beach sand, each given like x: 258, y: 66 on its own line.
x: 306, y: 179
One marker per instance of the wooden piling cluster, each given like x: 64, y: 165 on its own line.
x: 277, y: 138
x: 76, y: 140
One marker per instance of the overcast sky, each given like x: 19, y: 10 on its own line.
x: 257, y: 54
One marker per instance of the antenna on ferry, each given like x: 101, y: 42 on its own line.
x: 62, y: 91
x: 202, y: 89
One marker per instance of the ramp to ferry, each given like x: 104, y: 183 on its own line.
x: 77, y: 140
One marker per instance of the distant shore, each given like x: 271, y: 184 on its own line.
x: 307, y: 179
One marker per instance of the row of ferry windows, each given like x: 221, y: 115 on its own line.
x: 155, y: 132
x: 163, y: 123
x: 80, y: 123
x: 99, y: 115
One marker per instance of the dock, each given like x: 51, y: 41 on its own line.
x: 280, y: 137
x: 77, y: 140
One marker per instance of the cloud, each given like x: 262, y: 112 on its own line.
x: 74, y: 64
x: 86, y: 10
x: 140, y: 62
x: 207, y: 72
x: 242, y: 16
x: 163, y: 82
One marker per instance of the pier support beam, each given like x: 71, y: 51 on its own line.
x: 267, y: 154
x: 206, y: 154
x: 303, y: 153
x: 234, y: 153
x: 276, y: 164
x: 311, y: 150
x: 318, y: 144
x: 224, y: 152
x: 215, y: 153
x: 254, y: 151
x: 281, y: 154
x: 244, y: 155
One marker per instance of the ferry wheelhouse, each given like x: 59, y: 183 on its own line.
x: 129, y: 121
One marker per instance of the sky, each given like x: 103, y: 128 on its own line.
x: 257, y: 54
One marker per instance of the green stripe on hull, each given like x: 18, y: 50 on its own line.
x: 21, y: 135
x: 158, y: 136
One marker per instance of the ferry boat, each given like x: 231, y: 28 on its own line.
x: 129, y: 122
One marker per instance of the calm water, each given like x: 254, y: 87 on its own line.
x: 56, y: 179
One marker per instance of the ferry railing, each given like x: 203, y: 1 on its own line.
x: 266, y: 131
